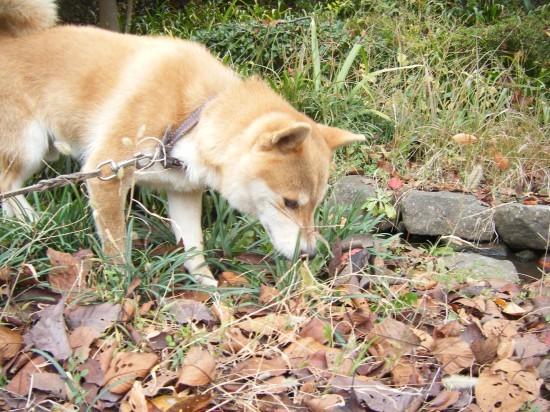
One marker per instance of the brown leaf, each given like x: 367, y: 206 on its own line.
x: 501, y: 328
x: 199, y: 368
x: 162, y: 379
x: 502, y: 161
x: 325, y: 403
x: 259, y: 368
x: 265, y: 325
x: 50, y: 332
x: 11, y: 343
x: 316, y: 329
x: 98, y: 317
x: 392, y: 338
x: 268, y: 294
x: 505, y: 387
x: 81, y: 339
x: 223, y: 312
x: 505, y: 348
x: 95, y: 374
x: 189, y: 311
x: 299, y: 351
x: 136, y: 401
x: 193, y: 403
x: 377, y: 396
x: 405, y: 373
x: 464, y: 138
x: 69, y: 271
x: 529, y: 345
x: 443, y: 400
x: 513, y: 309
x: 454, y: 355
x: 234, y: 340
x: 50, y: 383
x: 125, y: 368
x: 20, y: 384
x: 232, y: 279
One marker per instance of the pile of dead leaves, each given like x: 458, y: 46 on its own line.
x: 358, y: 342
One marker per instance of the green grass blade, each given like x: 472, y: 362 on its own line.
x: 344, y: 70
x: 316, y: 57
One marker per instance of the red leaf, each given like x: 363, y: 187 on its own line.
x: 395, y: 183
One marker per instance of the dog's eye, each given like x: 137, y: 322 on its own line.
x: 291, y: 204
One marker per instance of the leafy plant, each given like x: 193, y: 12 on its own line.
x: 382, y: 204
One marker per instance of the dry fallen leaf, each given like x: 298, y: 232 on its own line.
x: 125, y: 368
x: 506, y: 387
x: 443, y: 400
x: 377, y: 396
x: 189, y: 311
x: 454, y: 355
x: 20, y: 384
x: 265, y: 325
x: 325, y: 403
x: 69, y: 271
x: 502, y: 161
x: 464, y: 138
x: 11, y: 343
x: 513, y: 309
x: 194, y: 403
x: 199, y: 368
x: 51, y: 383
x: 81, y: 339
x: 259, y: 368
x: 392, y: 338
x: 50, y: 332
x: 98, y: 317
x: 299, y: 351
x: 404, y: 373
x: 136, y: 401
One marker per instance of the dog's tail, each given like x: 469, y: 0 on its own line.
x: 22, y: 17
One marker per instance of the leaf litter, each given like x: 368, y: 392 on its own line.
x: 378, y: 334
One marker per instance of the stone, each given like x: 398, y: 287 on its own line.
x: 361, y: 240
x: 353, y: 191
x: 350, y: 189
x: 447, y: 213
x: 490, y: 249
x: 523, y: 227
x: 481, y: 266
x: 526, y: 256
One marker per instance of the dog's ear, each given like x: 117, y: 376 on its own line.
x: 336, y: 137
x: 286, y: 139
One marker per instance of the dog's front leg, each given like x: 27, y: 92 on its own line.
x: 108, y: 199
x: 185, y: 213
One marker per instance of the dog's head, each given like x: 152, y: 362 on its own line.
x: 278, y: 171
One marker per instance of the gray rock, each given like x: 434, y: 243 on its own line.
x: 362, y: 240
x: 523, y: 227
x: 447, y: 213
x: 353, y: 189
x: 481, y: 266
x: 490, y: 249
x: 526, y: 256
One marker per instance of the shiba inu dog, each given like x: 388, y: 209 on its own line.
x: 102, y: 96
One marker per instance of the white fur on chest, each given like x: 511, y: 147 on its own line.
x: 158, y: 178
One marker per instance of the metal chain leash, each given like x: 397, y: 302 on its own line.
x: 140, y: 161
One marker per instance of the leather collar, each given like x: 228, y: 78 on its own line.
x: 171, y: 138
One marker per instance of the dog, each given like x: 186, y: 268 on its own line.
x: 102, y: 96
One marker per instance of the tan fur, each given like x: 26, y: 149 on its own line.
x: 90, y: 91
